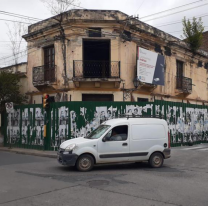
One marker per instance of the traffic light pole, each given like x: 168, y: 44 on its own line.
x: 10, y: 126
x: 46, y: 106
x: 44, y: 130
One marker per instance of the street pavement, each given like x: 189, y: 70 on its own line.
x: 31, y: 180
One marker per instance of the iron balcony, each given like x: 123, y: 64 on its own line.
x: 44, y: 75
x: 96, y: 69
x: 184, y: 84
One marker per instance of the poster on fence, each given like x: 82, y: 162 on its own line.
x: 150, y: 67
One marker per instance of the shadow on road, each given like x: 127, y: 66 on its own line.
x: 120, y: 167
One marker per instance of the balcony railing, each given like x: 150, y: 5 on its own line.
x: 43, y: 75
x: 96, y: 69
x: 184, y: 84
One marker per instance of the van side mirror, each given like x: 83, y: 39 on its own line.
x: 104, y: 139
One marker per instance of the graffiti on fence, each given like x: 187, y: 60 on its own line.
x: 185, y: 125
x: 14, y: 130
x: 59, y: 126
x: 26, y: 127
x: 82, y: 123
x: 72, y: 120
x: 36, y: 134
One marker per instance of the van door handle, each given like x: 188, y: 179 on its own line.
x: 124, y: 144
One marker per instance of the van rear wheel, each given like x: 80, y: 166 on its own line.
x: 156, y: 160
x: 85, y: 163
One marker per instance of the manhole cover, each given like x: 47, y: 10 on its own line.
x: 98, y: 182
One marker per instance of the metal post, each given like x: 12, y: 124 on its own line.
x: 183, y: 130
x: 123, y: 93
x: 73, y: 68
x: 10, y: 130
x: 175, y: 127
x: 119, y: 69
x: 44, y: 131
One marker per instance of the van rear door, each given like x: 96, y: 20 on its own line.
x: 144, y: 139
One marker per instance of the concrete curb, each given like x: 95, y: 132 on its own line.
x: 29, y: 152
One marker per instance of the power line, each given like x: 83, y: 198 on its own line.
x: 21, y: 56
x: 6, y: 57
x: 15, y: 21
x: 25, y: 17
x: 171, y: 9
x: 182, y: 30
x: 175, y: 12
x: 10, y: 41
x: 19, y: 16
x: 179, y: 21
x: 139, y: 6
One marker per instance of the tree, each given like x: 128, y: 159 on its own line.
x: 15, y: 32
x: 10, y: 90
x: 59, y: 6
x: 193, y: 33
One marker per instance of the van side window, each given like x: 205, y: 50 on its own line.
x: 119, y: 133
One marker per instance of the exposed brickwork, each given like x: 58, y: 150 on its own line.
x: 205, y: 42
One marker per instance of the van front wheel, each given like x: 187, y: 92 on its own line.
x: 85, y: 163
x: 156, y: 160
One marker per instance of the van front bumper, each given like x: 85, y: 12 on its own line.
x: 166, y: 153
x: 68, y: 159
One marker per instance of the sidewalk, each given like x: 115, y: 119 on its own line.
x: 41, y: 153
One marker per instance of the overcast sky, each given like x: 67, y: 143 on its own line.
x: 35, y: 8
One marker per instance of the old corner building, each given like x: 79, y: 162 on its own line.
x: 92, y: 55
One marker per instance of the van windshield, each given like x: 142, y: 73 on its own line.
x: 97, y: 133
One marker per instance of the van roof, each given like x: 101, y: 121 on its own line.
x: 135, y: 120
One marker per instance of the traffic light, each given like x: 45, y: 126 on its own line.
x: 45, y: 101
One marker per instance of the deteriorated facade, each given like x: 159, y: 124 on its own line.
x: 91, y: 55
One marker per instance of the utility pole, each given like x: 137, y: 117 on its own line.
x: 63, y: 38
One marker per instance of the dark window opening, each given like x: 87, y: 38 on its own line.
x: 142, y: 99
x: 168, y: 51
x: 158, y: 49
x: 179, y: 74
x: 96, y: 58
x: 199, y: 63
x: 97, y: 97
x: 49, y: 63
x: 126, y: 35
x: 95, y: 32
x: 206, y: 65
x: 119, y: 133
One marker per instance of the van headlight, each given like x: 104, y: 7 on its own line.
x: 70, y: 147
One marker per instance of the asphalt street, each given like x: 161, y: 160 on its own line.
x: 29, y: 181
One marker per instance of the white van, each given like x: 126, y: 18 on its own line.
x: 119, y: 140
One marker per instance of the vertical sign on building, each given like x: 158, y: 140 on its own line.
x: 150, y: 67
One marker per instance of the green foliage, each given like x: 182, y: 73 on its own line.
x: 10, y: 90
x: 193, y: 32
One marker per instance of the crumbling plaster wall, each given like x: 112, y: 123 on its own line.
x: 121, y: 50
